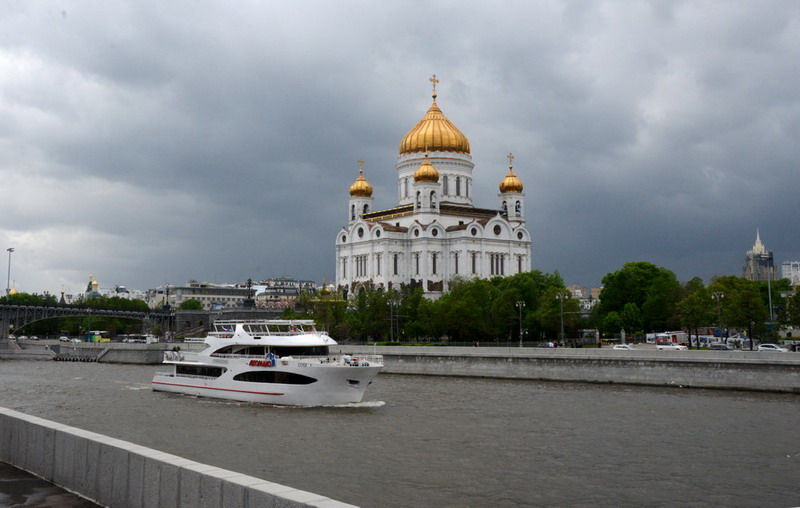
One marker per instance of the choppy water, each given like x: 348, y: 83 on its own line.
x: 435, y: 441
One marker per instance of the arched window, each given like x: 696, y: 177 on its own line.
x: 419, y: 200
x: 433, y: 199
x: 353, y: 212
x: 445, y: 191
x: 366, y: 208
x: 458, y: 186
x: 505, y: 208
x: 405, y: 187
x: 518, y: 208
x: 467, y: 183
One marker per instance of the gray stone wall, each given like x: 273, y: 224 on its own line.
x: 761, y: 371
x: 112, y: 472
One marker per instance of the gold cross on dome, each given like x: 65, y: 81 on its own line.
x: 510, y: 157
x: 434, y: 81
x: 360, y: 166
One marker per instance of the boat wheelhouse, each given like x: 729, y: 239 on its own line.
x: 285, y: 362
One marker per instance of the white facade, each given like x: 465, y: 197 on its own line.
x: 435, y: 234
x: 791, y: 270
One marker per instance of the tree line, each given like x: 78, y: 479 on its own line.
x: 638, y: 298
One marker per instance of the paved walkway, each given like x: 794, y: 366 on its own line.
x: 19, y: 488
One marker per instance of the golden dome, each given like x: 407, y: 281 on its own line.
x: 434, y: 133
x: 361, y: 186
x: 510, y: 183
x: 12, y: 292
x: 426, y: 172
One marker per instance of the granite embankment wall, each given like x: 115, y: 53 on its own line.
x: 116, y: 473
x: 738, y: 370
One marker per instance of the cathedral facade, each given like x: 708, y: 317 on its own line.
x: 435, y: 233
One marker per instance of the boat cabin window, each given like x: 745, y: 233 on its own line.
x: 272, y: 376
x: 243, y: 349
x: 299, y: 350
x: 199, y: 370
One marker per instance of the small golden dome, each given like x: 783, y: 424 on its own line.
x: 361, y: 186
x: 12, y: 292
x: 510, y: 183
x: 434, y: 133
x: 426, y: 172
x: 94, y: 283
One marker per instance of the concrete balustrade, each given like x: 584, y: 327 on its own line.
x: 112, y: 472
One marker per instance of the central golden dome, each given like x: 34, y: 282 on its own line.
x: 434, y: 133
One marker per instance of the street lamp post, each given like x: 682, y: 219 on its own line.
x: 718, y: 296
x: 520, y: 305
x: 561, y: 297
x: 8, y: 280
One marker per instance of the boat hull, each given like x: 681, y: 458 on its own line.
x: 334, y: 385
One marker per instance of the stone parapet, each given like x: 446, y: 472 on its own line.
x: 112, y: 472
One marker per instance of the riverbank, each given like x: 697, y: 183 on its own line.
x: 734, y: 370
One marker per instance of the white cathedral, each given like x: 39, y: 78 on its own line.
x: 435, y: 234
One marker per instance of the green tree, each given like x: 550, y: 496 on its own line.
x: 654, y: 290
x: 743, y: 306
x: 191, y: 304
x: 696, y: 307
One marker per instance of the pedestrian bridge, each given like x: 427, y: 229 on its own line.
x: 14, y: 317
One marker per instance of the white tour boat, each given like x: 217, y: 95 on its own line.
x: 284, y: 362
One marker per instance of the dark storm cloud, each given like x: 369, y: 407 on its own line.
x: 150, y: 143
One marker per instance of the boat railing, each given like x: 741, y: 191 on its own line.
x: 354, y: 360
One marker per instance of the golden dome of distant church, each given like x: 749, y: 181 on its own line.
x: 434, y: 133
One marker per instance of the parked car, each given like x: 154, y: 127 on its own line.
x: 63, y: 338
x: 34, y: 337
x: 624, y: 347
x: 722, y: 347
x: 772, y: 347
x: 671, y: 347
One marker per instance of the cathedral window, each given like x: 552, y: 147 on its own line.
x: 435, y: 232
x: 445, y: 191
x: 458, y: 186
x: 433, y: 262
x: 344, y: 268
x: 498, y: 230
x: 360, y: 232
x: 455, y: 262
x: 467, y: 183
x: 377, y: 264
x: 519, y: 264
x: 474, y: 231
x: 518, y: 209
x: 419, y: 200
x: 416, y: 263
x: 474, y: 262
x: 394, y: 262
x: 366, y: 208
x: 405, y: 187
x: 502, y: 264
x: 353, y: 212
x: 433, y: 199
x: 505, y: 208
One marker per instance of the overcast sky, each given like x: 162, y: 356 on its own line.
x: 152, y: 142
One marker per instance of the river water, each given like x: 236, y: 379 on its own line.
x: 438, y: 441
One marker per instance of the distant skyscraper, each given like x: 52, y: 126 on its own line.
x: 758, y: 263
